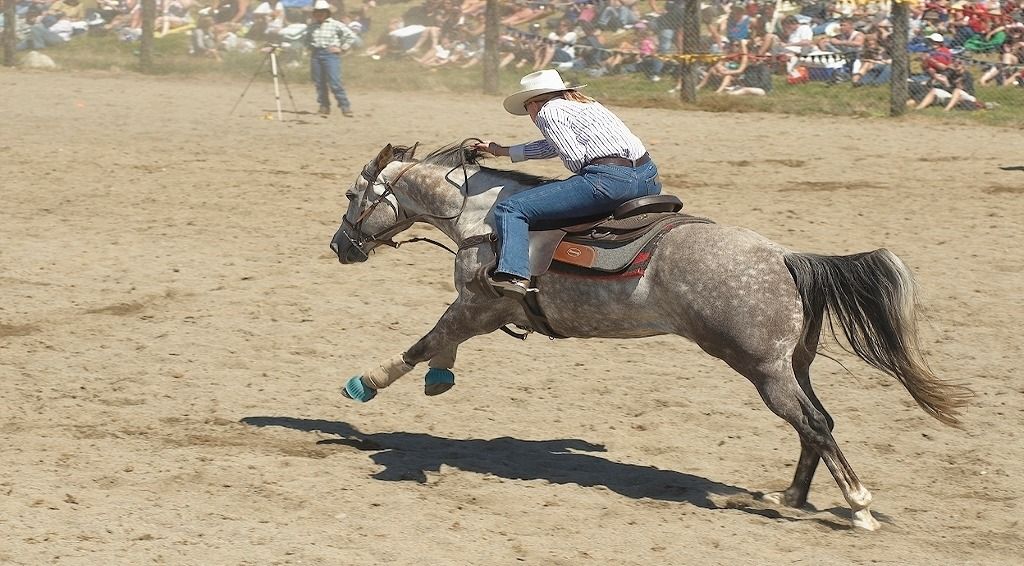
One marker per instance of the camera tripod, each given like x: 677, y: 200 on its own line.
x: 275, y: 70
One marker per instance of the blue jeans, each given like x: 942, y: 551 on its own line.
x: 39, y: 37
x: 326, y: 70
x: 597, y: 189
x: 877, y: 75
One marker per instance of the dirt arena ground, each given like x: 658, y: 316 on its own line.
x: 174, y: 330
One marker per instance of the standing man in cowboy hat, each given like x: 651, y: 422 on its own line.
x: 327, y: 38
x: 609, y: 163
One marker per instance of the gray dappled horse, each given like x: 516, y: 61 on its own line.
x: 742, y: 298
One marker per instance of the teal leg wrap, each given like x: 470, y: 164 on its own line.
x: 438, y: 380
x: 355, y: 390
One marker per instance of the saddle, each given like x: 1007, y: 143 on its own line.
x: 610, y: 243
x: 618, y: 245
x: 606, y: 244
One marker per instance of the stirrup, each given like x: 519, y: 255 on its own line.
x: 510, y: 288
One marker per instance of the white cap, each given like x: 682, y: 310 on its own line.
x: 322, y: 5
x: 263, y: 9
x: 937, y: 38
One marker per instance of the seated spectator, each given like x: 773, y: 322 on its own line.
x: 202, y: 41
x: 847, y: 41
x: 618, y: 14
x: 260, y: 29
x: 519, y: 49
x: 954, y: 90
x: 469, y: 45
x: 580, y: 11
x: 177, y: 15
x: 737, y: 24
x: 873, y: 66
x: 751, y: 77
x: 796, y: 39
x: 386, y: 42
x: 527, y: 12
x: 274, y: 16
x: 559, y: 47
x: 724, y: 72
x: 65, y: 28
x: 669, y: 28
x: 441, y: 54
x: 591, y: 52
x: 31, y: 34
x: 73, y: 10
x: 1002, y: 75
x: 228, y: 14
x: 114, y: 12
x: 1007, y: 71
x: 426, y: 40
x: 756, y: 80
x: 990, y: 38
x: 635, y: 54
x: 713, y: 18
x: 408, y: 38
x: 938, y: 59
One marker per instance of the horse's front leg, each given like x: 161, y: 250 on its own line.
x: 463, y: 320
x: 440, y: 377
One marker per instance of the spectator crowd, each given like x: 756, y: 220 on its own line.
x: 744, y: 45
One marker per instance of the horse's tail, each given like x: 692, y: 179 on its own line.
x: 873, y: 297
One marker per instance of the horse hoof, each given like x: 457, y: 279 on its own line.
x: 437, y: 381
x: 775, y: 497
x: 357, y: 391
x: 865, y: 521
x: 784, y: 499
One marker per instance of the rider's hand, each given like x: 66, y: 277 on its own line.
x: 490, y: 147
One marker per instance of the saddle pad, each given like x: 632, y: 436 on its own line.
x: 611, y: 259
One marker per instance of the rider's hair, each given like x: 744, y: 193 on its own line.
x: 576, y: 96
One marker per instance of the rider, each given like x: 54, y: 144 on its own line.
x: 610, y: 164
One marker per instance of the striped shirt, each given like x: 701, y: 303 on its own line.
x: 578, y: 132
x: 330, y: 33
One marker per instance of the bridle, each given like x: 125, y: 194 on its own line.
x: 359, y: 239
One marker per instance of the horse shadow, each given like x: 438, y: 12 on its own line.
x: 407, y: 456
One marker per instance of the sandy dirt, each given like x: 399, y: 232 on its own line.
x: 174, y: 330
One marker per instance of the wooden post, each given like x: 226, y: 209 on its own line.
x: 492, y: 31
x: 146, y: 43
x: 690, y: 44
x: 899, y: 92
x: 10, y: 37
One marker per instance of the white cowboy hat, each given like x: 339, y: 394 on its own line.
x: 322, y: 5
x: 535, y: 84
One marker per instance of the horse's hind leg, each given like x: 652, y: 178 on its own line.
x: 784, y: 395
x: 796, y: 494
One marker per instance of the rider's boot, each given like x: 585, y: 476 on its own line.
x: 509, y: 285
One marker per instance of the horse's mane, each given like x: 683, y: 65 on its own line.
x: 455, y: 154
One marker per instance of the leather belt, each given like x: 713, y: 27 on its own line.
x: 620, y: 161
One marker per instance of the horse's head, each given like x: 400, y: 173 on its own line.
x: 373, y: 209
